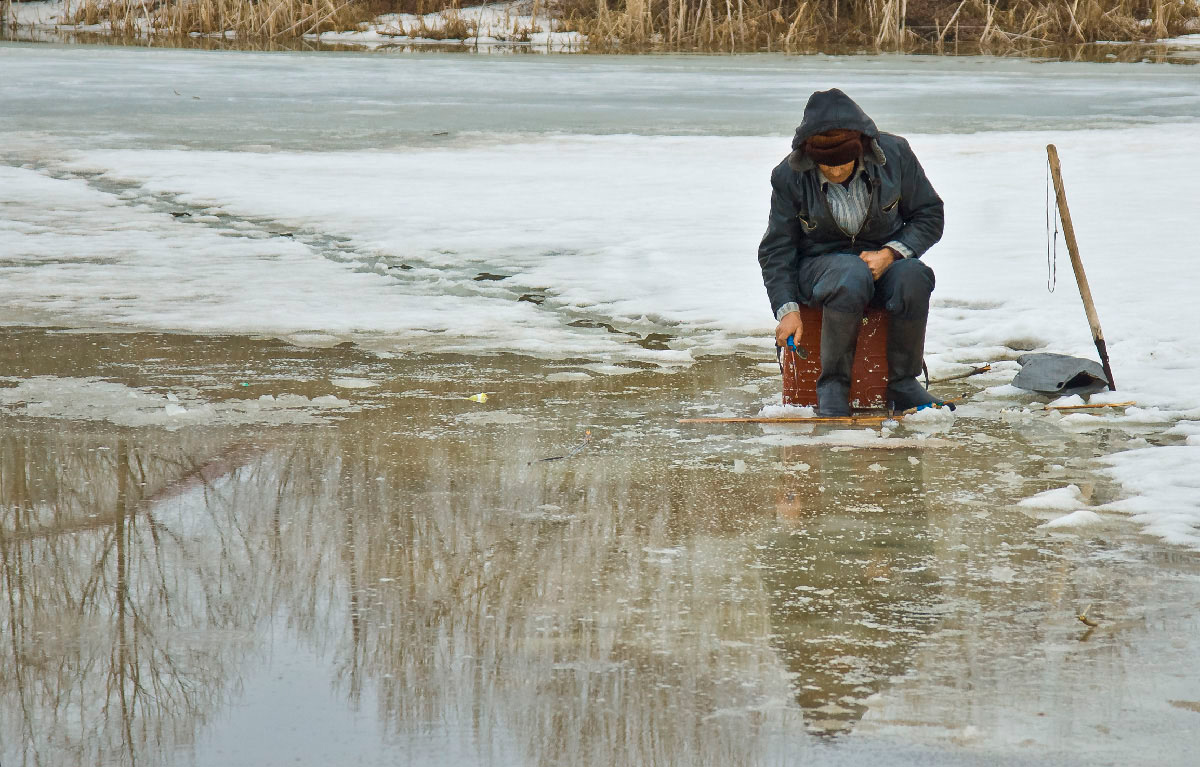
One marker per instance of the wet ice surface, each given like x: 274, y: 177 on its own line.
x: 224, y: 537
x: 600, y: 206
x: 400, y: 583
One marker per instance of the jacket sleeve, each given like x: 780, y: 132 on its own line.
x: 920, y: 206
x: 777, y: 254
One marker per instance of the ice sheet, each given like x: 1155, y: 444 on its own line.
x: 595, y: 207
x: 93, y: 399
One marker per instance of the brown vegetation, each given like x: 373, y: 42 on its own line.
x: 995, y: 26
x: 252, y: 20
x: 905, y: 25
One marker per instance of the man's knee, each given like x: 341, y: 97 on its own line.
x: 909, y: 282
x: 846, y: 286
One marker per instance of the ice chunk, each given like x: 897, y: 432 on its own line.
x: 1079, y: 518
x: 1062, y: 498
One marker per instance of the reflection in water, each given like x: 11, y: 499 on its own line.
x: 553, y: 613
x: 648, y: 603
x: 96, y: 600
x: 850, y: 578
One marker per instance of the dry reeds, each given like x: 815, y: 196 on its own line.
x: 901, y: 25
x: 993, y: 26
x: 250, y: 20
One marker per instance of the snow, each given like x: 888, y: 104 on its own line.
x: 1076, y: 519
x: 1067, y: 498
x: 497, y: 24
x: 43, y: 14
x: 930, y: 419
x: 1072, y: 400
x: 787, y: 411
x: 1163, y: 486
x: 88, y: 257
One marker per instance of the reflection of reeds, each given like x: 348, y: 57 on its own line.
x: 656, y: 616
x: 585, y: 630
x: 425, y: 567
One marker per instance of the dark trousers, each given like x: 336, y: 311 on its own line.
x: 842, y: 282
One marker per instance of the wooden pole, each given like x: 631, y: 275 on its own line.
x: 1085, y: 292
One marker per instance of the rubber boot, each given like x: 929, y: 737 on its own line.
x: 905, y: 350
x: 839, y: 334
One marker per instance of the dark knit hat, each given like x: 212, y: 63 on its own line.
x: 835, y: 147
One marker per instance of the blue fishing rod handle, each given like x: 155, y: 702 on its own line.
x: 800, y: 351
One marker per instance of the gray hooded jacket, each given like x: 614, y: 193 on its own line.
x: 904, y: 206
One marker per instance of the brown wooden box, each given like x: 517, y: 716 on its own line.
x: 868, y: 388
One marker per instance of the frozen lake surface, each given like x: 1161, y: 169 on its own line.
x: 348, y: 535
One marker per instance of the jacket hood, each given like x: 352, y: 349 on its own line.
x: 831, y: 110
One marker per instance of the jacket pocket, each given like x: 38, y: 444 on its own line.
x: 807, y: 223
x: 891, y: 205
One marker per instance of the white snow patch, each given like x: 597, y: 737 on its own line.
x: 787, y: 411
x: 1184, y: 428
x: 1007, y: 391
x: 1164, y: 490
x: 1069, y: 401
x: 930, y: 419
x: 489, y: 25
x: 80, y: 256
x: 1079, y: 518
x: 1066, y: 498
x: 353, y: 383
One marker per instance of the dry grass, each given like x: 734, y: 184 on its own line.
x: 995, y: 26
x: 452, y: 27
x: 270, y: 19
x: 903, y: 25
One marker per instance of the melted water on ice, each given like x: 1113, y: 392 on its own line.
x: 403, y: 579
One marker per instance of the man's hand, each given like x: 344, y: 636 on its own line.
x: 878, y: 261
x: 790, y: 325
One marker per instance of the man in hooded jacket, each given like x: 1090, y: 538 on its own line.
x: 851, y: 215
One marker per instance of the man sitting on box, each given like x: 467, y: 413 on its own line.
x: 851, y: 214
